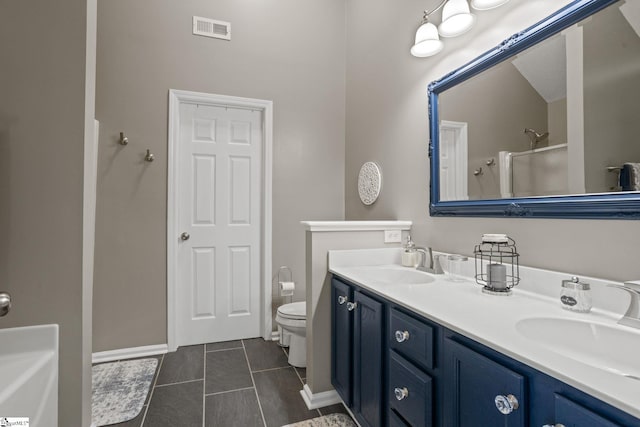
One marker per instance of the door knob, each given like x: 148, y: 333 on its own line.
x: 402, y: 336
x: 401, y: 393
x: 506, y: 404
x: 185, y: 236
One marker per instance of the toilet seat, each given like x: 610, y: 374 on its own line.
x: 293, y: 311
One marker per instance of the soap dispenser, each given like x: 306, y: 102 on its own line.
x: 576, y: 295
x: 410, y: 254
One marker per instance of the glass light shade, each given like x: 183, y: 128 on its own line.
x: 457, y: 19
x: 487, y: 4
x: 427, y: 41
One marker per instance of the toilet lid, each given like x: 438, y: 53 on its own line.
x: 295, y: 310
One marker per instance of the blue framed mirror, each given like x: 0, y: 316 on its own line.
x: 546, y: 124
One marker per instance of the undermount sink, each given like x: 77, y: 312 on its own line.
x: 392, y: 274
x: 29, y: 374
x: 612, y: 348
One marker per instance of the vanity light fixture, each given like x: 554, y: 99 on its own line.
x: 487, y: 4
x: 457, y: 19
x: 427, y: 41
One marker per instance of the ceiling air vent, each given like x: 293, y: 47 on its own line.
x: 211, y: 28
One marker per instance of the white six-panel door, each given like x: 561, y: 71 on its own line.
x: 453, y: 160
x: 219, y: 161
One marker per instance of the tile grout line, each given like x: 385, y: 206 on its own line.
x: 301, y: 381
x: 204, y: 385
x: 153, y: 387
x: 228, y: 391
x: 272, y: 369
x: 221, y: 349
x: 253, y: 381
x: 180, y: 382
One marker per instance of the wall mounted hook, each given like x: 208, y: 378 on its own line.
x: 478, y: 171
x: 149, y: 157
x: 123, y: 139
x: 491, y: 162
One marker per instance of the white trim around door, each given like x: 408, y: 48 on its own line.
x: 177, y: 97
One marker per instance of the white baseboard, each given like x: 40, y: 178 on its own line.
x: 129, y: 353
x: 319, y: 400
x: 275, y: 336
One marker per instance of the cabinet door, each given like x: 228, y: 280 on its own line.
x: 368, y: 335
x: 473, y: 383
x: 341, y: 340
x: 570, y: 414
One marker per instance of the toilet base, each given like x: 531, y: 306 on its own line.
x: 298, y: 351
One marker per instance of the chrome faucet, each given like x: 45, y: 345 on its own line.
x: 434, y: 265
x: 632, y: 316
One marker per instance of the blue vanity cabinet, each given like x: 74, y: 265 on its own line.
x: 394, y: 367
x: 358, y: 351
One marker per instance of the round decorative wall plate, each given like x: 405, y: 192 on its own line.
x: 369, y: 183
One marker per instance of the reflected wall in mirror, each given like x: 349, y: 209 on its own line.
x: 545, y: 121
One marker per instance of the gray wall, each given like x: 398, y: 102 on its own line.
x: 387, y: 123
x: 288, y: 51
x: 42, y: 125
x: 497, y: 105
x: 611, y: 96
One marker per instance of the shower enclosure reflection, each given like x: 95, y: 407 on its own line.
x: 534, y: 172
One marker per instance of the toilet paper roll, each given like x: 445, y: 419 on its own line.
x: 287, y: 288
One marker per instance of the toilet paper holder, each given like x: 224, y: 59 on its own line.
x: 283, y: 272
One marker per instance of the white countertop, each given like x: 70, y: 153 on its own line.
x: 491, y: 320
x: 356, y: 225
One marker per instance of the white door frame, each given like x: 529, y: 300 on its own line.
x: 177, y: 97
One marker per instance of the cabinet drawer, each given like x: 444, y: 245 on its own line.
x: 410, y: 391
x: 411, y: 338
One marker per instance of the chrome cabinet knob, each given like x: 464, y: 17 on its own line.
x: 401, y: 393
x: 402, y: 336
x: 553, y: 425
x: 185, y: 236
x: 506, y: 404
x: 352, y: 306
x: 5, y: 303
x: 342, y: 299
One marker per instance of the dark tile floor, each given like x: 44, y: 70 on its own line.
x: 243, y: 383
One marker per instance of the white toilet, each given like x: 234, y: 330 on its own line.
x: 292, y: 319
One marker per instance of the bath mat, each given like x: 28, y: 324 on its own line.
x: 331, y: 420
x: 120, y: 389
